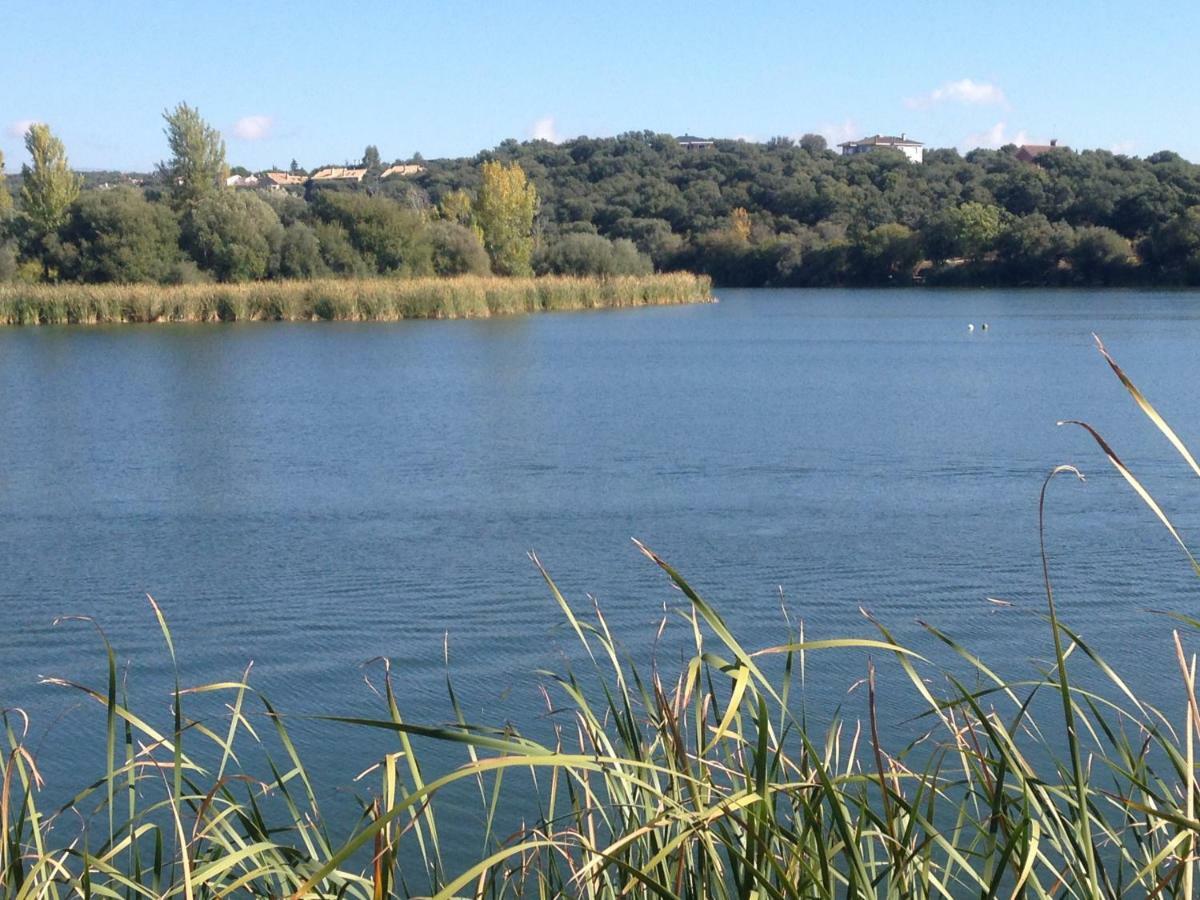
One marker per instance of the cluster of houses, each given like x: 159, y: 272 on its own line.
x: 914, y: 151
x: 277, y: 181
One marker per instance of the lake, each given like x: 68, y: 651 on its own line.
x: 312, y: 496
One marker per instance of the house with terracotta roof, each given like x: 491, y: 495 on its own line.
x: 403, y: 171
x: 282, y: 179
x: 338, y: 173
x: 914, y: 150
x: 1029, y: 152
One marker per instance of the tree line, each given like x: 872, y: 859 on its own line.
x: 186, y: 225
x: 777, y: 213
x: 796, y: 213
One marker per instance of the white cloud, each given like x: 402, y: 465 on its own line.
x: 1124, y: 148
x: 544, y: 129
x: 995, y: 137
x: 965, y: 90
x: 253, y: 128
x: 19, y: 128
x: 840, y: 132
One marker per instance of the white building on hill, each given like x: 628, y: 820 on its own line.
x: 914, y: 150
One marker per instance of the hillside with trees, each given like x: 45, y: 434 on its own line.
x: 785, y: 213
x: 796, y: 213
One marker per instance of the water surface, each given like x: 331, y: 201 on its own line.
x: 312, y: 496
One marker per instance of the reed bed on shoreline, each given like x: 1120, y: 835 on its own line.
x: 705, y: 780
x: 347, y: 300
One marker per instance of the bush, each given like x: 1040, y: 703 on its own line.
x: 889, y: 253
x: 1030, y: 248
x: 185, y: 271
x: 338, y: 253
x: 116, y: 235
x: 1101, y: 256
x: 234, y: 235
x: 457, y: 250
x: 300, y: 253
x: 390, y: 237
x: 591, y: 254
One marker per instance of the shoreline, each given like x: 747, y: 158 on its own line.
x: 341, y: 300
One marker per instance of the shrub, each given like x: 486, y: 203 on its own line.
x: 591, y: 254
x: 457, y: 250
x: 300, y: 253
x: 116, y: 235
x: 234, y: 235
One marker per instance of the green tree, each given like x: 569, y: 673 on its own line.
x: 968, y: 230
x: 300, y: 253
x: 813, y: 143
x: 196, y: 168
x: 889, y: 252
x: 505, y: 208
x: 1031, y: 247
x: 118, y: 236
x: 458, y: 207
x: 391, y: 237
x: 5, y: 196
x: 591, y: 254
x: 234, y: 235
x: 652, y: 236
x: 739, y: 224
x: 338, y: 253
x: 8, y: 250
x: 1173, y: 247
x: 371, y: 159
x: 48, y: 186
x: 457, y: 250
x: 1101, y: 256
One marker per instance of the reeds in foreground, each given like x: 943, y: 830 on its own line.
x: 351, y: 300
x: 708, y: 782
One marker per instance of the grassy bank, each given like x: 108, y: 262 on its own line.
x: 704, y: 778
x: 355, y: 300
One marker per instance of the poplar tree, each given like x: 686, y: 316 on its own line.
x: 197, y: 167
x: 458, y: 207
x: 49, y: 187
x: 504, y: 209
x: 739, y: 224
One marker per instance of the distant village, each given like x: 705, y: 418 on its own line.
x: 282, y: 180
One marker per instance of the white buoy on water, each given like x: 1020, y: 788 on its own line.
x: 970, y: 326
x: 984, y: 326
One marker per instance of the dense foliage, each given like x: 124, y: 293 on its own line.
x: 799, y: 214
x: 190, y: 223
x: 779, y: 213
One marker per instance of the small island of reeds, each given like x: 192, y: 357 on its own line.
x: 348, y: 300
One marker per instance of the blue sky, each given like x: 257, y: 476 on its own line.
x: 319, y: 81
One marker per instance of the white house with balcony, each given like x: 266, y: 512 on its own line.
x: 914, y: 150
